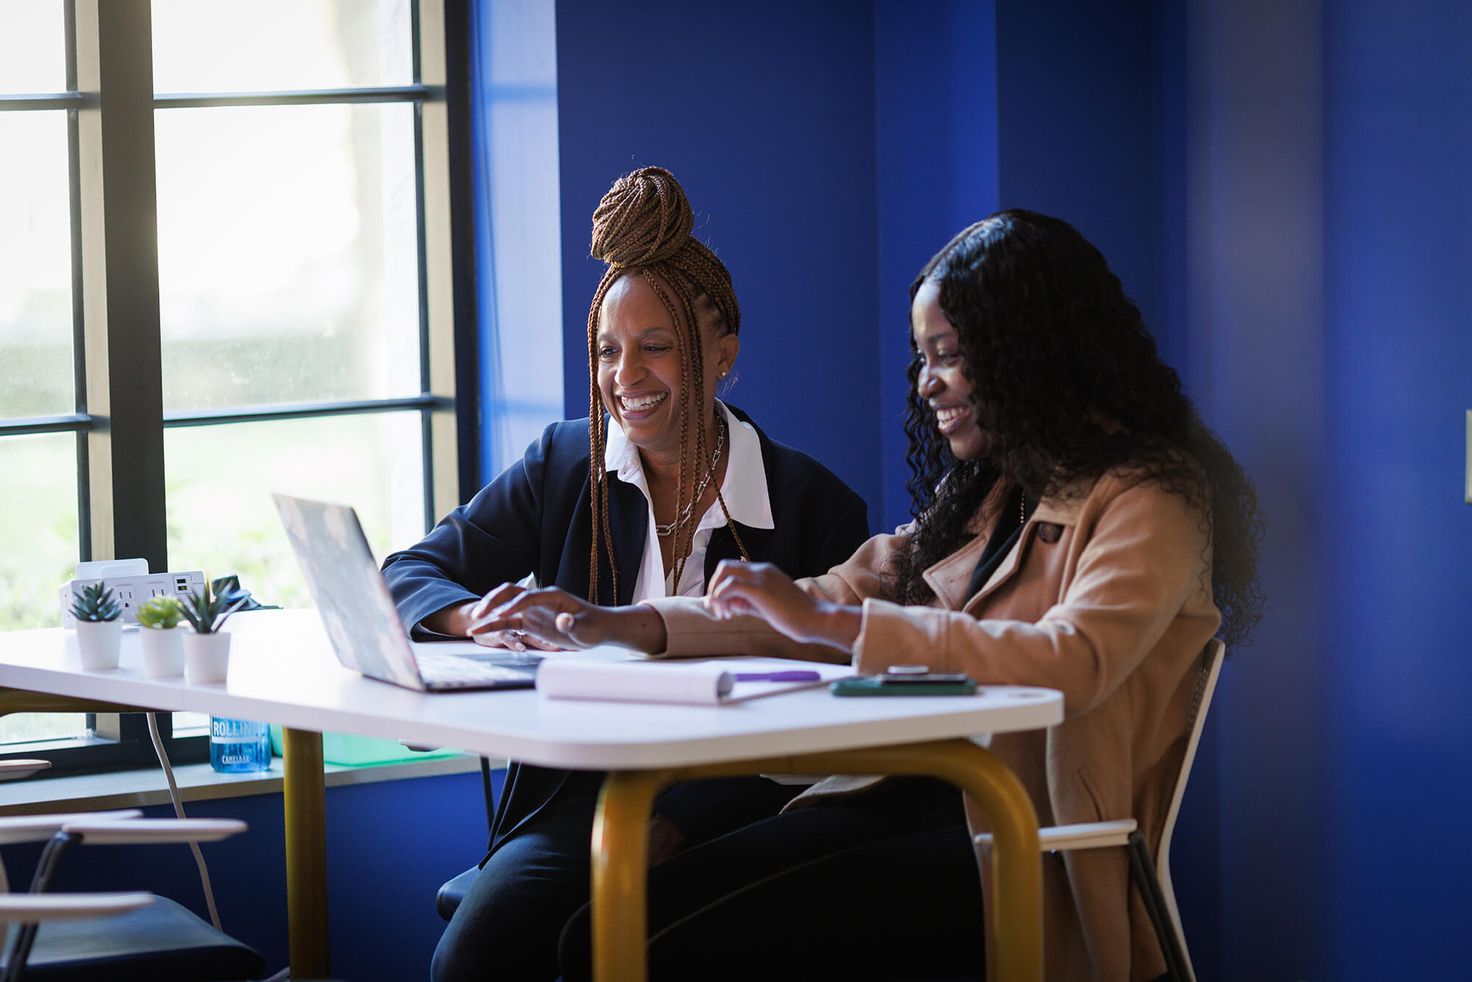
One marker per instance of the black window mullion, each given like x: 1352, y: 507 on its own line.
x: 79, y: 324
x: 120, y: 294
x: 426, y: 421
x: 462, y: 231
x: 426, y: 426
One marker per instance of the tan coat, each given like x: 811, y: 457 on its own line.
x: 1106, y: 597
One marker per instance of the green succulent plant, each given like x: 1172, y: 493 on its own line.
x: 206, y: 611
x: 160, y: 612
x: 96, y: 604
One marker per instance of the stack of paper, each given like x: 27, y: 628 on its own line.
x: 701, y: 683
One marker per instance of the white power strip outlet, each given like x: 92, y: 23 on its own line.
x: 130, y: 582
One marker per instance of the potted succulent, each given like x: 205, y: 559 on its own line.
x: 163, y: 642
x: 99, y: 629
x: 206, y: 648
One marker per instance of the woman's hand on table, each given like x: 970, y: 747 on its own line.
x: 554, y: 619
x: 763, y: 590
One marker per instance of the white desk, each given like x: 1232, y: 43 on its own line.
x: 282, y: 669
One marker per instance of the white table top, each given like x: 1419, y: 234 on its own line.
x: 282, y: 669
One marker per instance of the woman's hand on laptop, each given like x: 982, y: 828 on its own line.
x: 558, y: 619
x: 470, y: 617
x: 459, y: 621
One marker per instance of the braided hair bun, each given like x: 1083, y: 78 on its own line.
x: 645, y: 218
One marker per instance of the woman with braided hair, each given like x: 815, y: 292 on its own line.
x: 640, y: 500
x: 1077, y: 527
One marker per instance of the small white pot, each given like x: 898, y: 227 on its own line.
x: 163, y: 651
x: 206, y: 657
x: 99, y: 643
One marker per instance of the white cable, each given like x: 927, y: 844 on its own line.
x: 204, y: 871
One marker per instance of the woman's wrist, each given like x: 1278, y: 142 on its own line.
x: 837, y: 625
x: 452, y: 621
x: 638, y: 627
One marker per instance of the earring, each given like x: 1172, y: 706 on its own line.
x: 723, y: 375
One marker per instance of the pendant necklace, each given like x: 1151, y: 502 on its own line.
x: 665, y: 531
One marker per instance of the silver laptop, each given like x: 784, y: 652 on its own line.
x: 360, y: 616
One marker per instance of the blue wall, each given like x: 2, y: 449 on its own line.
x: 1076, y: 123
x: 765, y: 112
x: 1397, y: 356
x: 1253, y: 325
x: 935, y: 113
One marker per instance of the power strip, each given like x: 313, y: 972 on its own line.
x: 130, y: 582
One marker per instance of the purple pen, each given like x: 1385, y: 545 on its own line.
x: 794, y: 676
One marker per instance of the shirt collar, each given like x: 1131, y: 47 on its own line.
x: 744, y: 487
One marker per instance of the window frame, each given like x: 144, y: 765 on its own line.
x: 110, y: 105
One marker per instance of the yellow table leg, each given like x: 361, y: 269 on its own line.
x: 306, y: 854
x: 620, y: 871
x: 1014, y: 944
x: 1014, y: 918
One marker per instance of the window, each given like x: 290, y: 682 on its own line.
x: 230, y: 268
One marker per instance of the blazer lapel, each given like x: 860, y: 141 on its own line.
x: 1008, y: 569
x: 950, y: 577
x: 628, y: 516
x: 1048, y: 511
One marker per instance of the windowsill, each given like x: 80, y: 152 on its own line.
x: 198, y: 782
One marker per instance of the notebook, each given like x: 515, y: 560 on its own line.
x: 361, y: 620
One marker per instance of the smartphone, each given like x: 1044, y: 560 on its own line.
x: 908, y: 684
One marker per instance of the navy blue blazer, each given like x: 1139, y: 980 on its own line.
x: 534, y: 518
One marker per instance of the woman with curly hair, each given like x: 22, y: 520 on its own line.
x: 640, y: 500
x: 1077, y: 527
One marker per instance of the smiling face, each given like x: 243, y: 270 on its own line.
x: 639, y: 363
x: 942, y: 382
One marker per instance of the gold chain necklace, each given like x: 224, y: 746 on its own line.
x: 665, y: 531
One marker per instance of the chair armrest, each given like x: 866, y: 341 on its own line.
x: 39, y: 828
x: 32, y: 908
x: 152, y: 830
x: 1082, y: 835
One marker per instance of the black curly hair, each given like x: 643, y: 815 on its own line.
x: 1067, y: 385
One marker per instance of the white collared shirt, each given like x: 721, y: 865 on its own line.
x: 744, y: 489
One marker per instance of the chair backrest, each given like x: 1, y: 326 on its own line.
x: 1211, y: 669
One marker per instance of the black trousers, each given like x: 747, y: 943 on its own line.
x: 880, y: 886
x: 509, y: 922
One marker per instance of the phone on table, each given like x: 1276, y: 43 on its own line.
x: 906, y: 680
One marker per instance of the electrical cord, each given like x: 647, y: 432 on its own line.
x: 204, y: 871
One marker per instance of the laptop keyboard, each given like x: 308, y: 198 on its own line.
x: 454, y: 671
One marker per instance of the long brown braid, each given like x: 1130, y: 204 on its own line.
x: 643, y: 225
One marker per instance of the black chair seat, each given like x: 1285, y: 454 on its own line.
x: 447, y: 901
x: 160, y: 943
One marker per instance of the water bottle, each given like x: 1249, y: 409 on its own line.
x: 238, y: 745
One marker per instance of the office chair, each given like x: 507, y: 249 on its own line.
x: 453, y: 890
x: 1151, y: 873
x: 120, y: 936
